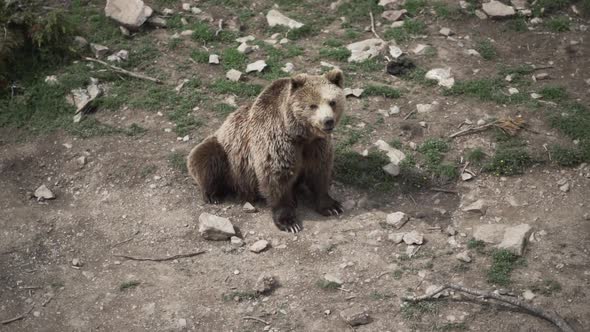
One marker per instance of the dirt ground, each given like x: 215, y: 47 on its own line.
x: 127, y: 199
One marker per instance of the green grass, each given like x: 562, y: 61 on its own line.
x: 418, y: 75
x: 358, y: 11
x: 411, y: 27
x: 200, y: 56
x: 433, y: 151
x: 508, y: 160
x: 546, y: 287
x: 238, y: 88
x: 177, y: 161
x: 565, y: 156
x: 415, y: 310
x: 367, y: 66
x: 333, y: 42
x: 446, y: 11
x: 517, y: 24
x: 377, y: 296
x: 223, y: 109
x: 231, y: 58
x: 350, y: 168
x: 477, y: 245
x: 327, y: 285
x: 305, y: 31
x: 554, y: 93
x: 414, y: 6
x: 240, y: 296
x: 335, y: 53
x: 503, y: 263
x: 397, y: 274
x: 451, y: 327
x: 381, y: 90
x: 476, y: 156
x: 486, y: 89
x: 558, y: 24
x: 486, y: 49
x: 351, y: 34
x: 128, y: 285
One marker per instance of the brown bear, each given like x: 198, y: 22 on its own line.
x: 269, y: 148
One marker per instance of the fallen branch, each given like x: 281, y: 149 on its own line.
x: 220, y: 27
x: 256, y: 319
x: 471, y: 130
x: 538, y: 312
x: 443, y: 190
x: 19, y: 317
x: 508, y: 125
x: 409, y: 115
x: 124, y: 71
x: 373, y: 25
x: 161, y: 259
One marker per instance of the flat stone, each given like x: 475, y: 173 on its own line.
x: 244, y: 48
x: 542, y: 76
x: 451, y: 230
x: 81, y: 161
x: 536, y: 20
x: 478, y: 206
x: 233, y: 75
x: 419, y: 49
x: 528, y: 295
x: 397, y: 219
x: 424, y: 108
x: 249, y: 208
x: 489, y: 233
x: 413, y: 237
x: 393, y: 15
x: 466, y: 176
x: 353, y: 92
x: 498, y: 9
x: 515, y: 238
x: 245, y: 39
x: 392, y: 169
x: 274, y: 18
x: 519, y: 4
x: 157, y: 21
x: 355, y: 316
x: 365, y: 49
x: 445, y: 32
x: 395, y: 51
x: 288, y: 68
x: 536, y: 95
x: 464, y: 257
x: 186, y: 33
x: 513, y: 91
x: 265, y: 284
x: 214, y: 59
x: 130, y: 13
x: 442, y: 76
x: 333, y: 278
x: 396, y: 238
x: 236, y: 241
x: 565, y: 187
x: 259, y: 246
x: 44, y: 193
x: 395, y: 156
x: 481, y: 15
x: 98, y: 50
x: 182, y: 323
x: 212, y: 227
x: 473, y: 52
x: 256, y: 66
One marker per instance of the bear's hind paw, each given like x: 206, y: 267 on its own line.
x: 332, y: 208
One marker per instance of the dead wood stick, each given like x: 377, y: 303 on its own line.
x: 19, y: 317
x: 538, y: 312
x: 373, y: 25
x: 220, y: 27
x: 471, y: 130
x: 124, y: 71
x: 163, y: 259
x: 542, y: 67
x: 443, y: 190
x: 256, y: 319
x: 409, y: 115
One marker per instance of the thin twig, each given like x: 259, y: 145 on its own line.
x: 373, y: 25
x: 19, y: 317
x: 124, y: 71
x: 409, y: 115
x: 471, y: 130
x: 220, y: 27
x: 413, y: 200
x: 543, y: 67
x: 50, y: 297
x: 548, y: 152
x: 343, y: 289
x: 443, y: 190
x: 163, y: 259
x: 127, y: 240
x: 538, y: 312
x: 256, y: 319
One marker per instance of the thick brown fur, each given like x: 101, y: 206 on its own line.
x: 265, y: 149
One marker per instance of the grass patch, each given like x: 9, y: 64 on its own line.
x: 397, y: 274
x: 565, y: 156
x: 377, y: 296
x: 503, y: 263
x: 200, y: 56
x: 333, y: 42
x: 350, y: 168
x: 307, y: 30
x: 414, y: 6
x: 517, y: 24
x: 367, y: 66
x: 451, y: 327
x: 486, y: 49
x: 238, y: 88
x: 415, y: 310
x: 508, y: 160
x: 446, y: 11
x: 233, y: 59
x: 418, y: 75
x: 477, y: 245
x: 476, y: 156
x: 351, y: 34
x: 177, y: 161
x: 327, y: 285
x: 128, y: 285
x: 411, y: 27
x: 558, y: 24
x: 486, y: 89
x: 335, y: 53
x: 358, y: 11
x: 554, y: 93
x: 546, y: 287
x: 381, y: 90
x: 240, y: 296
x: 433, y: 150
x: 223, y: 109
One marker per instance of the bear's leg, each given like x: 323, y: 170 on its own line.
x: 279, y: 193
x: 208, y: 165
x: 317, y: 174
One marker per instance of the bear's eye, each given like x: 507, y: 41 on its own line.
x: 313, y: 107
x: 332, y: 103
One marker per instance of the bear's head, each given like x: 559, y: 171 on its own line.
x: 318, y: 101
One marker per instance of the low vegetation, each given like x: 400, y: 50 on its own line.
x: 503, y: 263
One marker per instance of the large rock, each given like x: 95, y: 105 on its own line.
x: 44, y: 193
x: 497, y: 9
x: 413, y: 237
x: 393, y: 15
x: 365, y: 49
x: 265, y: 284
x: 397, y: 219
x: 489, y: 233
x: 355, y: 316
x: 212, y: 227
x: 259, y: 246
x: 274, y: 18
x: 130, y: 13
x: 442, y: 76
x: 515, y: 238
x: 478, y: 206
x: 395, y: 156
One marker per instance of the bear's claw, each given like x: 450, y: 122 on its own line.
x: 285, y: 220
x: 333, y: 208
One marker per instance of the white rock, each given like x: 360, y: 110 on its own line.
x: 397, y: 24
x: 157, y: 21
x: 288, y: 68
x: 473, y: 52
x: 167, y: 11
x: 385, y: 3
x: 419, y: 49
x: 333, y: 278
x: 182, y: 323
x: 244, y: 48
x: 385, y: 113
x: 123, y: 54
x: 497, y: 9
x: 536, y: 20
x: 519, y: 4
x: 528, y: 295
x: 245, y: 39
x: 76, y: 262
x: 395, y: 51
x: 413, y: 237
x: 130, y: 13
x: 99, y: 50
x: 397, y: 219
x: 274, y: 18
x: 186, y: 138
x: 565, y: 187
x: 481, y: 122
x: 442, y: 76
x: 233, y: 75
x: 265, y: 284
x: 186, y: 7
x: 212, y: 227
x: 236, y: 241
x: 393, y: 15
x: 365, y: 49
x: 394, y: 110
x: 353, y: 92
x: 44, y: 193
x: 515, y: 238
x: 51, y: 80
x: 536, y: 95
x: 196, y: 10
x: 113, y: 58
x: 81, y: 160
x: 396, y: 238
x: 513, y: 91
x: 425, y: 108
x: 480, y: 14
x: 214, y: 59
x: 493, y: 233
x: 259, y: 246
x: 445, y: 32
x: 392, y: 169
x: 249, y: 208
x: 256, y: 66
x: 186, y: 33
x: 478, y: 206
x: 542, y: 76
x: 355, y: 316
x: 464, y: 257
x: 283, y: 41
x: 394, y: 155
x: 466, y: 176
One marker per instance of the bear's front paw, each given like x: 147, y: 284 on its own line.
x: 285, y: 219
x: 329, y: 207
x: 212, y: 198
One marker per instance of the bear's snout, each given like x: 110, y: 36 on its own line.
x: 328, y: 124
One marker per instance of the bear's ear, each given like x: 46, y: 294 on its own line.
x: 298, y: 81
x: 335, y: 76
